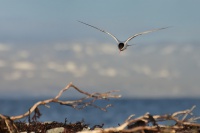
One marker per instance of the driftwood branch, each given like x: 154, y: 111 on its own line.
x: 77, y: 104
x: 142, y: 123
x: 184, y: 120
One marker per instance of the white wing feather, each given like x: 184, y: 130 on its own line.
x: 101, y: 31
x: 145, y: 32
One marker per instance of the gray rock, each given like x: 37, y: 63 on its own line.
x: 56, y: 130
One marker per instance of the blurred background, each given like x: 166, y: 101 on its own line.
x: 43, y: 48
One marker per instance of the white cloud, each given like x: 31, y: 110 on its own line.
x: 4, y: 47
x: 17, y: 75
x: 56, y: 67
x: 160, y: 73
x: 163, y: 73
x: 82, y: 71
x: 176, y: 90
x: 108, y: 48
x: 23, y: 65
x: 75, y: 70
x: 61, y: 47
x: 89, y: 51
x: 96, y: 66
x: 2, y: 63
x: 108, y: 72
x: 143, y: 64
x: 23, y: 54
x: 53, y: 65
x: 168, y: 50
x: 146, y: 70
x: 187, y: 49
x: 29, y: 74
x: 71, y: 67
x: 77, y: 48
x: 13, y: 76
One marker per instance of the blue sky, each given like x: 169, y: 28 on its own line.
x: 43, y: 47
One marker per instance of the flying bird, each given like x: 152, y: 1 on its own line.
x: 122, y: 45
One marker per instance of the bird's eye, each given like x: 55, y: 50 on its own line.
x: 120, y: 46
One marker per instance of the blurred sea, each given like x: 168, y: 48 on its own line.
x: 118, y: 113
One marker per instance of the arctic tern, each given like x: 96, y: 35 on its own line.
x: 122, y: 45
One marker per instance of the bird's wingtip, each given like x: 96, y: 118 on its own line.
x: 167, y: 27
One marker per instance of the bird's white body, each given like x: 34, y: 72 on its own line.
x: 122, y: 45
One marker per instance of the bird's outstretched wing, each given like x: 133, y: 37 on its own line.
x: 145, y: 32
x: 101, y: 31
